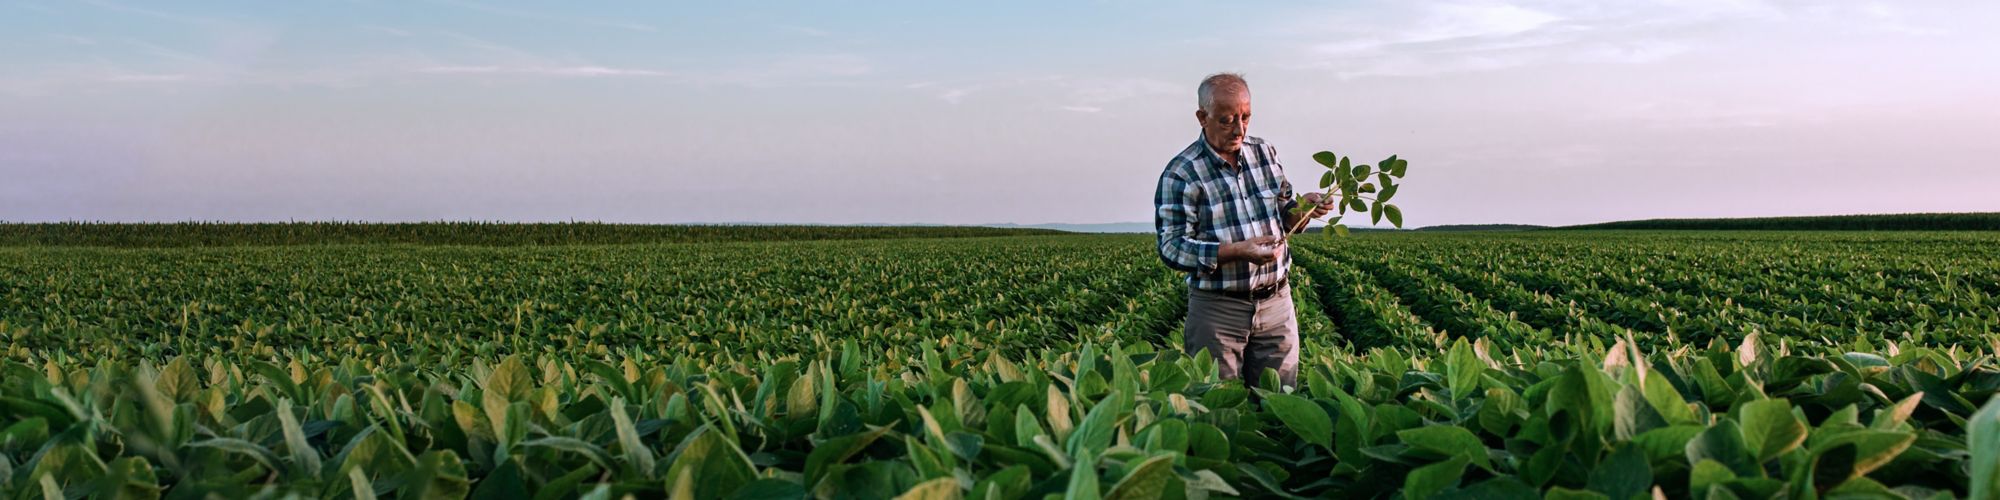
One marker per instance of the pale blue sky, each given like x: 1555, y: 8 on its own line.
x: 941, y: 112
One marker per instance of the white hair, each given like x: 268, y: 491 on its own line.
x: 1227, y: 82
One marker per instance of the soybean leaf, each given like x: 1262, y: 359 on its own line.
x: 1624, y: 474
x: 1303, y: 417
x: 1430, y: 479
x: 1983, y: 440
x: 1447, y: 440
x: 1770, y: 429
x: 717, y: 466
x: 1147, y: 481
x: 1327, y: 159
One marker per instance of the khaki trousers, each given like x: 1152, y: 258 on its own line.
x: 1245, y: 336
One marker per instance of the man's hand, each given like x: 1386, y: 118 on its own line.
x: 1322, y: 204
x: 1258, y: 250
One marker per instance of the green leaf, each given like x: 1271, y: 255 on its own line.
x: 1026, y: 427
x: 130, y: 477
x: 773, y: 488
x: 1303, y: 417
x: 1463, y: 369
x: 1375, y: 213
x: 1357, y: 204
x: 1499, y: 488
x: 1326, y: 179
x: 1361, y: 171
x: 1207, y: 441
x: 1394, y: 214
x: 1402, y: 166
x: 943, y: 488
x: 1340, y: 229
x: 1327, y: 159
x: 837, y: 450
x: 716, y: 466
x: 637, y: 456
x: 305, y: 459
x: 1708, y: 473
x: 1632, y: 416
x: 1770, y: 429
x: 1083, y: 479
x: 1723, y: 444
x: 1667, y: 400
x: 1872, y: 449
x: 359, y: 484
x: 503, y: 482
x: 440, y: 474
x: 1147, y: 481
x: 1011, y: 482
x: 1561, y: 493
x: 1983, y: 440
x: 1449, y: 441
x: 1097, y: 429
x: 1622, y: 475
x: 1430, y: 479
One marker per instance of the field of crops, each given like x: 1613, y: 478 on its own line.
x: 1570, y: 364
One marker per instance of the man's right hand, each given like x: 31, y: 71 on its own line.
x: 1258, y: 250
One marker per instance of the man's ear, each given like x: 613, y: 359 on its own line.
x: 1201, y: 116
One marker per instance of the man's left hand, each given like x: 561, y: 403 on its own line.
x: 1322, y: 204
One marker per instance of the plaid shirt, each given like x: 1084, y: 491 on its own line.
x: 1202, y: 202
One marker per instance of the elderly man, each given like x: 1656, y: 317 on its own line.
x: 1221, y: 211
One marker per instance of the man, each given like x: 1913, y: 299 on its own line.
x: 1220, y: 210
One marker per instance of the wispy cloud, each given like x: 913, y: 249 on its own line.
x: 804, y: 30
x: 75, y: 39
x: 544, y: 16
x: 565, y: 71
x: 387, y: 30
x: 1073, y: 93
x: 146, y: 78
x: 152, y: 13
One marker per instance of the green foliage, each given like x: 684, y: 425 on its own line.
x: 1509, y: 366
x: 1348, y: 186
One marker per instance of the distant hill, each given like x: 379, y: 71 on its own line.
x: 1481, y: 227
x: 223, y: 234
x: 1982, y: 221
x: 1106, y: 227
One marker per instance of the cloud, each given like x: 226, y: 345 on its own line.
x: 804, y: 30
x: 1458, y: 37
x: 543, y: 16
x: 386, y: 30
x: 568, y: 71
x: 146, y: 78
x: 1079, y: 94
x: 156, y: 14
x: 785, y: 70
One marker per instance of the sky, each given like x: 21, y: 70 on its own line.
x: 1535, y: 112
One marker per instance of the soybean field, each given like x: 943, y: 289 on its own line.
x: 953, y: 363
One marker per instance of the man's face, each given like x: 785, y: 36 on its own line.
x: 1228, y: 120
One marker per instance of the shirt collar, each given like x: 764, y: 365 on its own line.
x: 1216, y: 156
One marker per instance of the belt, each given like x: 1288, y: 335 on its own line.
x: 1259, y: 293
